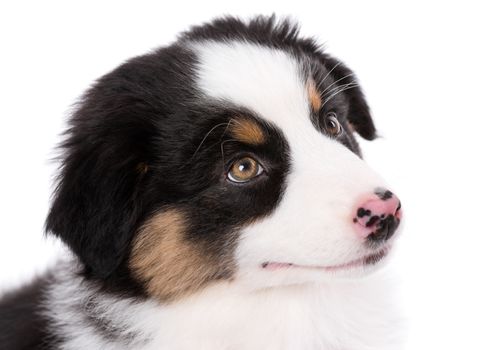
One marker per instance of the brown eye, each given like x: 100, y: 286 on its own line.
x: 244, y: 170
x: 332, y: 124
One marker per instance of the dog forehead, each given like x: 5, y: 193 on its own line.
x: 271, y: 82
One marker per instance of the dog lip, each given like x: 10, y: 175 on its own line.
x: 370, y: 259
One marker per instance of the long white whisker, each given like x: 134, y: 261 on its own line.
x: 335, y: 82
x: 340, y: 87
x: 338, y: 92
x: 328, y: 74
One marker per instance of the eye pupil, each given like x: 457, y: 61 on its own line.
x: 245, y: 165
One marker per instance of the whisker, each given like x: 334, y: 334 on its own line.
x: 223, y: 151
x: 338, y: 92
x: 340, y: 87
x: 207, y: 134
x: 221, y: 137
x: 334, y: 83
x: 328, y: 74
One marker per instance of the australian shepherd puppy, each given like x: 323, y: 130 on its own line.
x: 214, y: 196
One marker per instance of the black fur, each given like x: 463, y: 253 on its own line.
x: 102, y: 195
x: 23, y: 323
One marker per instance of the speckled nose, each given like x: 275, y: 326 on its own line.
x: 378, y: 215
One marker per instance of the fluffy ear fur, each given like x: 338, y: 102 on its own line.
x: 95, y: 206
x: 105, y: 186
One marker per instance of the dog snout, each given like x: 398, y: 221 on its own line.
x: 377, y: 217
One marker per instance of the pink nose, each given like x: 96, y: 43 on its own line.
x: 377, y: 217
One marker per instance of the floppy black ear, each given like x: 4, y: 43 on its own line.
x: 359, y: 115
x: 96, y: 204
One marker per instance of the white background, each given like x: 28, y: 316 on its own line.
x: 424, y: 68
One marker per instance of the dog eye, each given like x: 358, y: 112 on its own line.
x: 332, y: 124
x: 244, y: 169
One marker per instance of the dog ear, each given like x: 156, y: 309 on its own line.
x: 359, y: 115
x: 96, y: 203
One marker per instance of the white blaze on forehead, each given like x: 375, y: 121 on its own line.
x: 267, y: 81
x: 271, y: 83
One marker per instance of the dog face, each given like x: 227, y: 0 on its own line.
x: 229, y: 155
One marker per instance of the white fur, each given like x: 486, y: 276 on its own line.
x: 350, y: 315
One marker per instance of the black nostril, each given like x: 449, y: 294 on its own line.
x: 385, y: 228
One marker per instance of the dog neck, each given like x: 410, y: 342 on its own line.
x: 223, y: 316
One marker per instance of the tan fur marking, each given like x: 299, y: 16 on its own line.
x: 248, y: 131
x: 314, y: 96
x: 167, y: 264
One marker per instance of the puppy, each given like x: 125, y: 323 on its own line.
x: 214, y: 197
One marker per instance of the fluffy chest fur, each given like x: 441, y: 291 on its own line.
x: 344, y: 315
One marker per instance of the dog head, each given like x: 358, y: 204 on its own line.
x: 229, y: 155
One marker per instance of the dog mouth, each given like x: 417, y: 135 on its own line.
x: 367, y: 260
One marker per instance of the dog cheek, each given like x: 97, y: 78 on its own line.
x: 168, y: 264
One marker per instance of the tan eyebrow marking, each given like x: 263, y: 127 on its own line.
x: 313, y: 95
x: 247, y: 130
